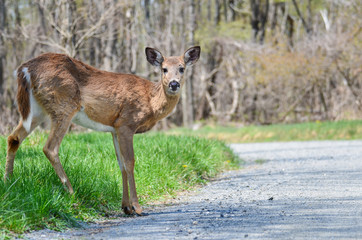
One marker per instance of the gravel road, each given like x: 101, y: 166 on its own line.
x: 294, y: 190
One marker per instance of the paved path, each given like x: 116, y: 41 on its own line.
x: 296, y: 190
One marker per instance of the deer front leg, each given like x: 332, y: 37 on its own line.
x: 125, y: 139
x: 14, y: 141
x: 125, y: 196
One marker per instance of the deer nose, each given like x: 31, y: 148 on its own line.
x: 174, y: 85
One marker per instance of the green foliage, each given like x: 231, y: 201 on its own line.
x: 316, y: 5
x: 281, y: 132
x: 208, y: 33
x: 34, y: 198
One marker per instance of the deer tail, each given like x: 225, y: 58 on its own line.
x: 23, y: 95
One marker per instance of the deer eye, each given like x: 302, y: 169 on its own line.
x: 182, y: 70
x: 164, y: 70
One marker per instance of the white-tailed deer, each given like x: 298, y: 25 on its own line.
x: 67, y: 90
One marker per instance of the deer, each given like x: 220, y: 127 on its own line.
x: 65, y: 90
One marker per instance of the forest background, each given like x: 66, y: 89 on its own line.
x: 262, y: 61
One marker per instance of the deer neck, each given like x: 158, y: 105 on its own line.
x: 162, y: 104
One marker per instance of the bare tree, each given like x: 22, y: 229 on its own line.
x: 2, y: 43
x: 282, y: 18
x: 217, y: 16
x: 259, y: 17
x: 307, y: 25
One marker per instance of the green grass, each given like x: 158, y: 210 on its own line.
x: 35, y: 198
x: 280, y: 132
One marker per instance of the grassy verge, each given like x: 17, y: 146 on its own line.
x: 35, y: 198
x: 286, y: 132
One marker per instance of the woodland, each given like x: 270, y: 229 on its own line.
x: 262, y: 61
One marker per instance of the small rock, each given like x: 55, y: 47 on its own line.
x: 221, y: 215
x: 271, y: 199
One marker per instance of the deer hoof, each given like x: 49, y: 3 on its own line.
x: 127, y: 210
x: 138, y: 210
x: 71, y: 191
x: 8, y: 176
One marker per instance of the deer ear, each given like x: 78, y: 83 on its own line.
x: 154, y: 56
x: 192, y: 55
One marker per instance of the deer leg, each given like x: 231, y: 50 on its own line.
x: 51, y: 149
x: 125, y: 139
x: 125, y: 196
x: 14, y: 141
x: 132, y: 186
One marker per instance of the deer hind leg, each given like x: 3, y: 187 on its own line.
x: 14, y: 141
x: 125, y: 139
x: 58, y: 129
x: 127, y: 208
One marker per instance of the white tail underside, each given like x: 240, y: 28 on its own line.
x: 35, y: 108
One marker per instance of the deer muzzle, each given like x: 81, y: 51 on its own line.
x: 174, y: 86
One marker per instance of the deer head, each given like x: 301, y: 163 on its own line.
x: 172, y: 68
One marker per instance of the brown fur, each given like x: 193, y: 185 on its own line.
x: 22, y: 96
x: 13, y: 143
x: 62, y: 86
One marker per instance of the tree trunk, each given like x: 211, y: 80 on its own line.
x: 191, y: 71
x: 306, y: 25
x: 2, y: 43
x: 225, y: 6
x: 71, y: 16
x: 147, y: 17
x: 42, y: 18
x: 188, y: 103
x: 263, y: 21
x: 259, y: 17
x: 111, y: 39
x: 231, y: 6
x: 309, y: 15
x: 217, y: 12
x: 209, y: 10
x: 254, y: 21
